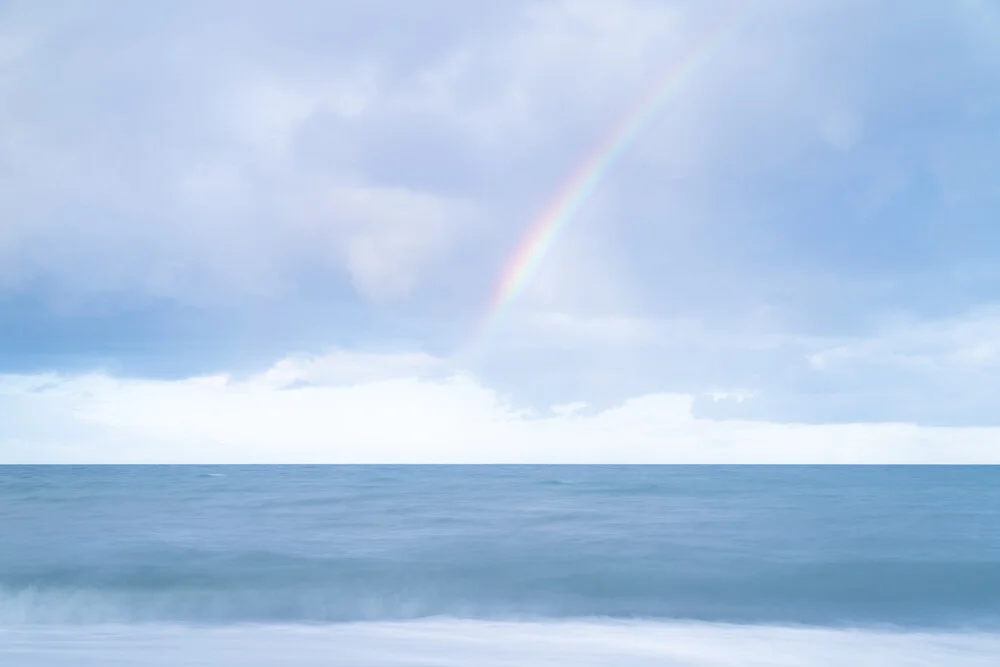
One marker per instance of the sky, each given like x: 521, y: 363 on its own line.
x: 300, y: 231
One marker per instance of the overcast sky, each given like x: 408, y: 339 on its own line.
x: 267, y: 231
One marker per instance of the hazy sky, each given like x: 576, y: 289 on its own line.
x: 269, y: 231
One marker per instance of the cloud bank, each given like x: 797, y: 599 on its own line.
x: 412, y: 409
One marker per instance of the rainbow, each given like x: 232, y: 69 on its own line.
x: 585, y: 179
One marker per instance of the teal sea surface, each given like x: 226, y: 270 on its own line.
x: 499, y: 565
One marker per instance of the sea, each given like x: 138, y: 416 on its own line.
x: 483, y: 566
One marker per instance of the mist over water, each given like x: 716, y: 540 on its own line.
x: 460, y: 564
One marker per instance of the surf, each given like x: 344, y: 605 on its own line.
x: 454, y: 643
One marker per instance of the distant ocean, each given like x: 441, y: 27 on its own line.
x: 524, y: 566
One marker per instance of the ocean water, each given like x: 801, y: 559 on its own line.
x: 499, y: 565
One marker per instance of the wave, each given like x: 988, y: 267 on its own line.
x: 454, y: 643
x: 192, y: 586
x: 318, y: 546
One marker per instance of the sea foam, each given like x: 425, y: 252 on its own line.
x: 463, y: 643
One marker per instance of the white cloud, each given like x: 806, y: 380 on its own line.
x: 188, y: 160
x: 181, y: 174
x: 176, y: 171
x: 738, y: 395
x: 557, y: 62
x: 301, y: 410
x: 569, y: 329
x: 343, y: 368
x: 966, y: 343
x: 210, y: 155
x: 386, y: 237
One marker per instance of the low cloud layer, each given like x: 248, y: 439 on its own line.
x: 404, y: 409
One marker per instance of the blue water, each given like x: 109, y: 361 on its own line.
x: 477, y: 565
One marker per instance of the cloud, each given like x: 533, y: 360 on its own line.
x: 387, y: 237
x: 214, y: 148
x: 189, y: 163
x: 912, y: 370
x: 204, y: 151
x: 966, y: 343
x: 402, y: 409
x: 343, y: 368
x: 183, y: 171
x: 573, y: 330
x: 210, y: 181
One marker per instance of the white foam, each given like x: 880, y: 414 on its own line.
x: 458, y: 643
